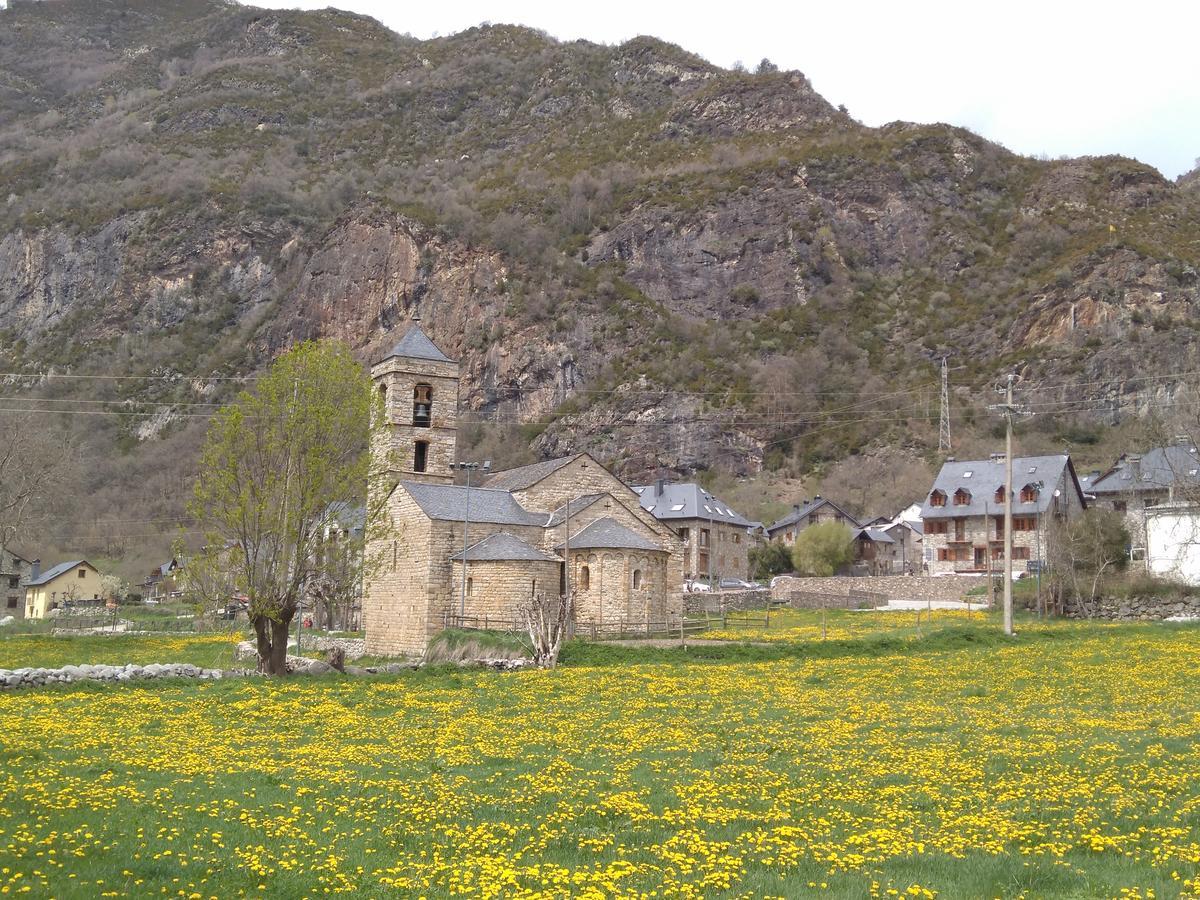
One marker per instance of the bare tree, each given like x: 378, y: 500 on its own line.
x: 547, y: 620
x: 1082, y: 552
x: 33, y: 467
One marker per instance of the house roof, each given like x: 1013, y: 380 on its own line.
x: 980, y: 478
x: 449, y: 502
x: 52, y: 573
x: 527, y: 476
x: 578, y: 505
x: 1155, y: 470
x: 502, y: 546
x: 805, y: 509
x: 686, y: 500
x: 608, y: 533
x: 874, y: 534
x: 350, y: 516
x: 915, y: 527
x: 415, y: 344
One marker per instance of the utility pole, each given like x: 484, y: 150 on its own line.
x: 1008, y: 409
x: 944, y: 423
x: 467, y: 467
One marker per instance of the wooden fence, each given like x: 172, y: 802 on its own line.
x: 609, y: 630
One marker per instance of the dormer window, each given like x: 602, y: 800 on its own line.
x: 1029, y: 494
x: 937, y: 498
x: 422, y: 405
x: 1000, y: 494
x: 962, y: 497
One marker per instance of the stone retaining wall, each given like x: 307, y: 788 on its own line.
x: 896, y: 587
x: 1135, y: 608
x: 726, y: 601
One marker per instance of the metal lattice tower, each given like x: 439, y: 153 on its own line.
x: 944, y: 423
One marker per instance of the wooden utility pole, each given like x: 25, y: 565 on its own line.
x: 1008, y: 409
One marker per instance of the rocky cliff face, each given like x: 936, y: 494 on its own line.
x: 632, y: 251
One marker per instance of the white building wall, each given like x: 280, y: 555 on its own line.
x: 1173, y: 543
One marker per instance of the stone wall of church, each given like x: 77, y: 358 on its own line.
x: 496, y: 588
x: 396, y: 598
x: 607, y: 591
x: 446, y: 539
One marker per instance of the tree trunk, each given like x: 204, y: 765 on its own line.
x: 272, y: 640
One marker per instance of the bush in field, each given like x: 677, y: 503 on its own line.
x: 823, y: 549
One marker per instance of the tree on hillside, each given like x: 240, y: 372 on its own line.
x: 277, y: 465
x: 772, y: 558
x: 823, y: 549
x: 34, y: 464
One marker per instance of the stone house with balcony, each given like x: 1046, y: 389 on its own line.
x: 963, y: 516
x: 472, y: 555
x: 810, y: 512
x: 716, y: 539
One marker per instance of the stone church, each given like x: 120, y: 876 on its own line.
x: 529, y: 531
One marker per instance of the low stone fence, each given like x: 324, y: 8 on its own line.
x: 721, y: 602
x: 353, y: 647
x: 1148, y: 608
x: 29, y: 677
x: 894, y: 587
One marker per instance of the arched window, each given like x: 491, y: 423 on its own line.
x: 421, y: 456
x: 962, y: 497
x: 470, y: 586
x: 393, y: 556
x: 585, y: 578
x: 383, y: 394
x: 637, y: 578
x: 422, y: 405
x: 937, y: 498
x: 533, y: 588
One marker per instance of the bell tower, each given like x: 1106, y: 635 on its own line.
x: 419, y: 386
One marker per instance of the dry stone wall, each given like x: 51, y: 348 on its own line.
x: 896, y: 587
x: 1148, y: 608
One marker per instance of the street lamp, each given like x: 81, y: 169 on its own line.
x: 468, y: 467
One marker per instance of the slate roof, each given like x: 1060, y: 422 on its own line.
x: 802, y: 511
x: 687, y: 500
x: 527, y: 476
x: 415, y: 344
x: 52, y: 573
x: 608, y: 533
x: 578, y: 505
x: 981, y: 478
x: 1157, y: 470
x: 502, y: 546
x: 449, y: 502
x: 875, y: 534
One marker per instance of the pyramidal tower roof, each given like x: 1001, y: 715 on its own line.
x: 416, y: 345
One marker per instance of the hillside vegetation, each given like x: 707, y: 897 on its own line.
x: 678, y: 267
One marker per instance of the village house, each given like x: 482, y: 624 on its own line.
x: 874, y: 550
x: 14, y: 575
x: 803, y: 515
x: 716, y: 540
x: 963, y: 516
x: 907, y: 547
x: 460, y: 554
x: 1139, y: 482
x: 163, y: 582
x: 68, y: 584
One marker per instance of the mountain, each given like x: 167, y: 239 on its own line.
x: 675, y: 266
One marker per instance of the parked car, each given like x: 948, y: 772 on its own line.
x: 736, y: 584
x: 696, y: 587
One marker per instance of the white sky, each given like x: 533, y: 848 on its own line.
x: 1055, y: 76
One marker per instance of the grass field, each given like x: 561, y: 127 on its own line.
x: 1065, y: 763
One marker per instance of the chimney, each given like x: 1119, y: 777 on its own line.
x: 658, y: 487
x: 816, y: 498
x: 796, y: 506
x: 35, y: 571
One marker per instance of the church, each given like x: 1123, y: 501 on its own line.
x: 528, y: 531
